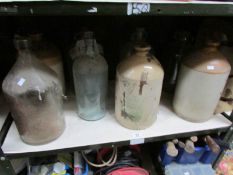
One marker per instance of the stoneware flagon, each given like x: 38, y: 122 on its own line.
x: 201, y: 80
x: 138, y: 89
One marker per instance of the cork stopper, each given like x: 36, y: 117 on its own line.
x: 181, y: 144
x: 194, y: 139
x: 212, y: 144
x: 171, y: 149
x: 175, y: 141
x: 189, y: 146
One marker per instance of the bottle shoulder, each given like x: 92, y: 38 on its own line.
x: 208, y: 61
x: 25, y: 76
x: 90, y: 64
x: 133, y: 67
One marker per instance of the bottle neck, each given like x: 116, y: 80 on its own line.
x: 24, y: 51
x: 36, y: 37
x: 142, y: 51
x: 139, y: 36
x: 91, y: 47
x: 23, y: 47
x: 88, y: 35
x: 38, y: 44
x: 211, y: 48
x: 212, y: 45
x: 25, y: 58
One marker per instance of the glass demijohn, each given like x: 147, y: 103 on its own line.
x: 34, y: 94
x: 90, y: 72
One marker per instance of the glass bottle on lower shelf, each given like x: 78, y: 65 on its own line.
x: 34, y: 94
x: 90, y: 72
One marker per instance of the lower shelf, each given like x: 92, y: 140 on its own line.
x: 81, y: 134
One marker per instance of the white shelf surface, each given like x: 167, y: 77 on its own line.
x: 81, y: 133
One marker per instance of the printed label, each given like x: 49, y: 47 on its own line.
x: 21, y: 82
x: 137, y: 135
x: 137, y: 139
x: 138, y: 8
x: 92, y: 10
x: 210, y: 67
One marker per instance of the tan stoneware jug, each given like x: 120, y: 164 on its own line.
x: 138, y: 89
x: 201, y: 80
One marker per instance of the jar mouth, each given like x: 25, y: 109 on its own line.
x: 142, y: 47
x: 88, y: 35
x: 22, y: 43
x: 36, y: 36
x: 213, y: 43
